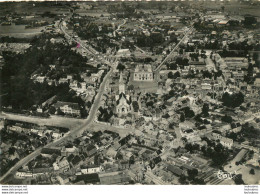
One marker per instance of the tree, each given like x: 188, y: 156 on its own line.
x: 11, y: 150
x: 176, y: 74
x: 131, y: 87
x: 132, y: 160
x: 170, y: 75
x: 135, y: 106
x: 59, y: 112
x: 189, y: 113
x: 183, y: 180
x: 205, y: 109
x: 252, y: 171
x: 182, y: 118
x: 172, y: 93
x: 188, y: 147
x: 120, y: 67
x: 207, y: 74
x: 52, y: 110
x: 238, y: 179
x: 249, y: 21
x: 232, y: 100
x: 192, y: 174
x: 227, y: 119
x: 171, y: 125
x: 223, y: 8
x: 172, y: 66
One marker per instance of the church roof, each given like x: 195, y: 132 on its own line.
x: 121, y: 79
x: 122, y: 97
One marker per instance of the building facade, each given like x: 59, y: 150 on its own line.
x: 68, y: 108
x: 143, y: 73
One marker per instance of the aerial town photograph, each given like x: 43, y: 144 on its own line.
x: 130, y: 92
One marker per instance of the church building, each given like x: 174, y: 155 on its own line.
x: 124, y: 105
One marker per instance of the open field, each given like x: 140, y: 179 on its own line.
x: 52, y: 121
x: 231, y: 7
x: 19, y: 31
x: 31, y: 8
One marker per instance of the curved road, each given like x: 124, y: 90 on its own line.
x: 75, y: 133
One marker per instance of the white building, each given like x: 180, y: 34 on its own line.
x: 90, y: 169
x: 123, y: 53
x: 143, y: 73
x: 68, y: 107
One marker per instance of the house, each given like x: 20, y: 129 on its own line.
x: 111, y: 152
x: 24, y: 174
x: 123, y: 53
x: 257, y: 82
x: 206, y: 86
x: 216, y: 136
x: 16, y: 128
x: 51, y: 151
x: 75, y: 160
x: 56, y: 135
x: 68, y: 108
x: 226, y: 142
x: 238, y: 75
x: 63, y: 80
x: 40, y: 79
x: 223, y: 23
x: 175, y: 170
x: 236, y: 63
x: 110, y: 178
x: 123, y: 165
x: 63, y: 180
x: 62, y: 164
x: 198, y: 65
x: 91, y: 150
x: 49, y: 101
x: 41, y: 171
x: 90, y: 169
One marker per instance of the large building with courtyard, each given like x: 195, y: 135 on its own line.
x: 143, y: 73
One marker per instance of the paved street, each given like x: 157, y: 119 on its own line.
x: 73, y: 134
x: 173, y: 50
x: 52, y: 121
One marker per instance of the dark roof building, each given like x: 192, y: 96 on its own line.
x: 88, y: 178
x: 51, y: 151
x: 175, y: 170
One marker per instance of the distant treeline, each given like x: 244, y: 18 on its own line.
x: 8, y: 39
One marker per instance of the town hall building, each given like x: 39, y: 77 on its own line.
x: 143, y: 72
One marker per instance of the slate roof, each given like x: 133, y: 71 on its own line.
x: 175, y: 170
x: 88, y: 178
x: 51, y: 151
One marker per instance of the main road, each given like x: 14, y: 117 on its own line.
x: 173, y: 50
x: 72, y: 135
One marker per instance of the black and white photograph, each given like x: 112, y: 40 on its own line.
x: 130, y: 93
